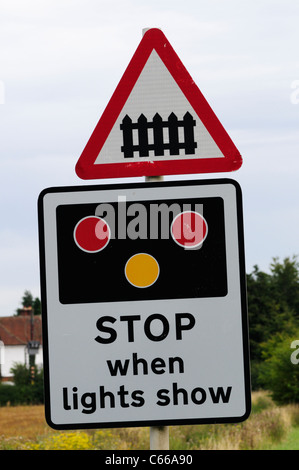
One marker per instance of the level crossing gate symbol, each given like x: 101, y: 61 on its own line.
x: 172, y: 141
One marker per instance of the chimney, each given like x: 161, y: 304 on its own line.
x: 26, y: 311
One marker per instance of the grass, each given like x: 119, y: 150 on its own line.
x: 268, y: 427
x: 291, y: 442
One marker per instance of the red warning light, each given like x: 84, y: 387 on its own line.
x: 189, y: 229
x: 92, y: 234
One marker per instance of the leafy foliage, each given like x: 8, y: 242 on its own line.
x: 273, y: 307
x: 273, y: 302
x: 27, y: 388
x: 277, y: 372
x: 29, y: 301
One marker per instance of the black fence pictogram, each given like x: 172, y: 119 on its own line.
x: 159, y: 144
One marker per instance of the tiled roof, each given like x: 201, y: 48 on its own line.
x: 17, y: 330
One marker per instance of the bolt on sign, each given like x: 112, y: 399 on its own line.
x: 157, y: 122
x: 144, y: 304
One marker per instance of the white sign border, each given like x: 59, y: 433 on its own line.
x: 74, y: 195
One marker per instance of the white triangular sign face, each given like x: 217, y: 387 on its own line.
x: 157, y: 122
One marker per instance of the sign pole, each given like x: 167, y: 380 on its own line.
x: 159, y: 435
x: 159, y: 438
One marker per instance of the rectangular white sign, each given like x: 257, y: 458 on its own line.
x: 144, y: 304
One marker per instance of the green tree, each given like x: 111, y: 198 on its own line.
x: 21, y: 374
x: 273, y: 306
x: 28, y: 386
x: 273, y: 301
x: 37, y: 308
x: 285, y: 280
x: 29, y: 301
x: 279, y: 371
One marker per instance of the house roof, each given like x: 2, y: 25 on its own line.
x: 17, y: 330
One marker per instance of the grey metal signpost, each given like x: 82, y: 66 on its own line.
x: 159, y: 435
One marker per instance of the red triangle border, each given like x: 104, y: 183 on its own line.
x: 155, y: 39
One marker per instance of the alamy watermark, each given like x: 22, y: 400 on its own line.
x: 2, y: 92
x: 136, y: 220
x: 294, y: 97
x: 182, y: 223
x: 295, y: 354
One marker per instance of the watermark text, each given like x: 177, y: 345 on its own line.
x: 295, y: 354
x: 2, y: 92
x: 294, y: 97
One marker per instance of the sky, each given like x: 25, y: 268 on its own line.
x: 60, y: 62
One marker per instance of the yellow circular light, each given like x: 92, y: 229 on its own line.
x: 142, y: 270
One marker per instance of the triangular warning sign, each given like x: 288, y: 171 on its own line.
x: 157, y: 122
